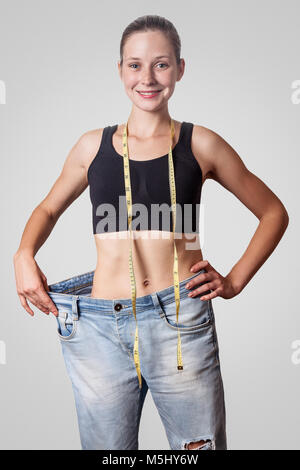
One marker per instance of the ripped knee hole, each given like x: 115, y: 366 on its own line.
x: 200, y: 445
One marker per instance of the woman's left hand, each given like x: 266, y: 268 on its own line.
x: 219, y: 285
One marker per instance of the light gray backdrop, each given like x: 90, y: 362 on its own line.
x: 59, y: 75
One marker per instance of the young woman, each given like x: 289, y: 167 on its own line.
x: 141, y: 319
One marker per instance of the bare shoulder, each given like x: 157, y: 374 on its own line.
x: 88, y: 146
x: 213, y: 153
x: 206, y: 145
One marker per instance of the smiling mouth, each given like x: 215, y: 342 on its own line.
x: 148, y: 92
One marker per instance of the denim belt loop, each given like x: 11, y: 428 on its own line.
x: 74, y: 307
x: 155, y: 300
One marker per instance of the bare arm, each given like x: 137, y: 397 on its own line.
x: 30, y: 280
x: 226, y: 167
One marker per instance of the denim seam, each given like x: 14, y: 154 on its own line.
x: 92, y: 310
x: 71, y: 289
x: 183, y: 295
x: 120, y: 341
x: 214, y: 333
x: 194, y: 328
x: 172, y: 300
x: 215, y: 344
x: 187, y: 328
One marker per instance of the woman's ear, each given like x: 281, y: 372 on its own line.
x: 120, y: 69
x: 181, y: 69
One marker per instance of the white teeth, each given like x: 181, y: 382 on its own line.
x: 148, y: 93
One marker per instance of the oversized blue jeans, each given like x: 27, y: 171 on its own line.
x: 97, y: 340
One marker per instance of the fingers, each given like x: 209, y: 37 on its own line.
x: 47, y: 302
x: 200, y: 265
x: 209, y: 285
x: 196, y: 280
x: 25, y: 305
x: 213, y: 285
x: 200, y: 290
x: 212, y: 295
x: 40, y: 299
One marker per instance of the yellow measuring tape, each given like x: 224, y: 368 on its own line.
x: 131, y: 270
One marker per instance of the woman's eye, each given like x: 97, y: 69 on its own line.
x: 157, y: 64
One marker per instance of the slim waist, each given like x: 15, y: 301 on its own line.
x: 80, y: 286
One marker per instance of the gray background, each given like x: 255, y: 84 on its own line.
x: 59, y: 64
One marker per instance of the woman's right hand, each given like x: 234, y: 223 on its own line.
x: 32, y: 284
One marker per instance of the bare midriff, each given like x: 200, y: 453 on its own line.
x: 153, y: 260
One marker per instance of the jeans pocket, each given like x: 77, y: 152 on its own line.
x: 66, y: 325
x: 194, y: 314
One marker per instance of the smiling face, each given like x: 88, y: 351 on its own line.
x: 149, y: 63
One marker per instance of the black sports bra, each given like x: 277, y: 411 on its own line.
x: 151, y: 199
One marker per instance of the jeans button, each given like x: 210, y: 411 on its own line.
x: 118, y: 307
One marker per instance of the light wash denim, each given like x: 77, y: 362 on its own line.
x: 97, y: 340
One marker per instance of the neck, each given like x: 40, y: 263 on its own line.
x: 146, y: 124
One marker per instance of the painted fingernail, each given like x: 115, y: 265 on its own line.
x: 187, y: 286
